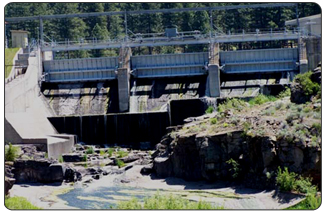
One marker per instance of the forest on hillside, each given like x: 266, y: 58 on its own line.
x: 111, y: 27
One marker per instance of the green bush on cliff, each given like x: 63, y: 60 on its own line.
x: 261, y: 99
x: 309, y: 87
x: 236, y: 104
x: 285, y: 93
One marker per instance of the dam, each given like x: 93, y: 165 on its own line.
x: 131, y: 99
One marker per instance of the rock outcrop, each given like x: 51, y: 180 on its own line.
x: 43, y: 171
x: 229, y: 155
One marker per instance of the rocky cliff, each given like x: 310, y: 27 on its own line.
x: 247, y: 144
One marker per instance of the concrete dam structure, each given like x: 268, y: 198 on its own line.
x: 132, y: 99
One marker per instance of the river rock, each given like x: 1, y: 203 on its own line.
x: 147, y: 169
x: 71, y: 175
x: 96, y: 177
x: 9, y: 182
x: 73, y: 157
x: 297, y: 94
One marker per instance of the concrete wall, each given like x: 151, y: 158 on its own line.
x: 26, y: 113
x: 60, y: 144
x: 115, y: 129
x: 314, y: 52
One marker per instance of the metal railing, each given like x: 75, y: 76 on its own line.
x: 150, y: 38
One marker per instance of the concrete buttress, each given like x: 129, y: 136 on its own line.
x: 213, y: 70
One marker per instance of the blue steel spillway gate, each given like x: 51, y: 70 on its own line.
x: 172, y: 65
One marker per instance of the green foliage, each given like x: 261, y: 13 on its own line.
x: 89, y: 151
x: 284, y: 93
x: 290, y: 181
x: 318, y: 127
x: 311, y: 202
x: 132, y: 204
x: 285, y: 180
x: 235, y: 167
x: 236, y: 104
x: 120, y: 163
x: 213, y: 120
x: 111, y: 151
x: 170, y: 202
x: 210, y: 109
x: 121, y: 154
x: 85, y: 158
x: 9, y: 55
x: 304, y: 185
x: 60, y: 159
x: 19, y: 203
x: 269, y: 112
x: 293, y: 116
x: 261, y: 99
x: 309, y: 87
x: 102, y: 152
x: 11, y: 152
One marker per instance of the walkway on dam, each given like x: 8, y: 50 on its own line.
x: 166, y: 41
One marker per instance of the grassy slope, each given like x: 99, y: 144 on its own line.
x: 19, y: 203
x: 9, y: 55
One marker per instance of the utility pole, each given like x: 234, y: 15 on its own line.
x: 211, y: 22
x: 41, y: 31
x: 126, y: 29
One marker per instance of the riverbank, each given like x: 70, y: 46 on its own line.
x: 111, y: 189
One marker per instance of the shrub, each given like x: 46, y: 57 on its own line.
x: 234, y: 103
x: 120, y: 163
x: 210, y: 109
x: 270, y: 111
x: 85, y: 158
x: 284, y: 93
x: 235, y: 167
x: 285, y: 180
x: 213, y: 120
x: 309, y: 87
x: 132, y: 204
x: 19, y: 203
x: 304, y: 185
x: 310, y: 203
x: 261, y: 99
x: 60, y: 159
x: 110, y: 151
x: 89, y: 151
x: 318, y: 127
x: 293, y: 116
x: 11, y: 152
x: 102, y: 152
x: 170, y: 202
x: 285, y: 134
x: 121, y: 154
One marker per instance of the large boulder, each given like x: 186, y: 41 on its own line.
x: 298, y: 95
x: 43, y: 171
x: 71, y: 175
